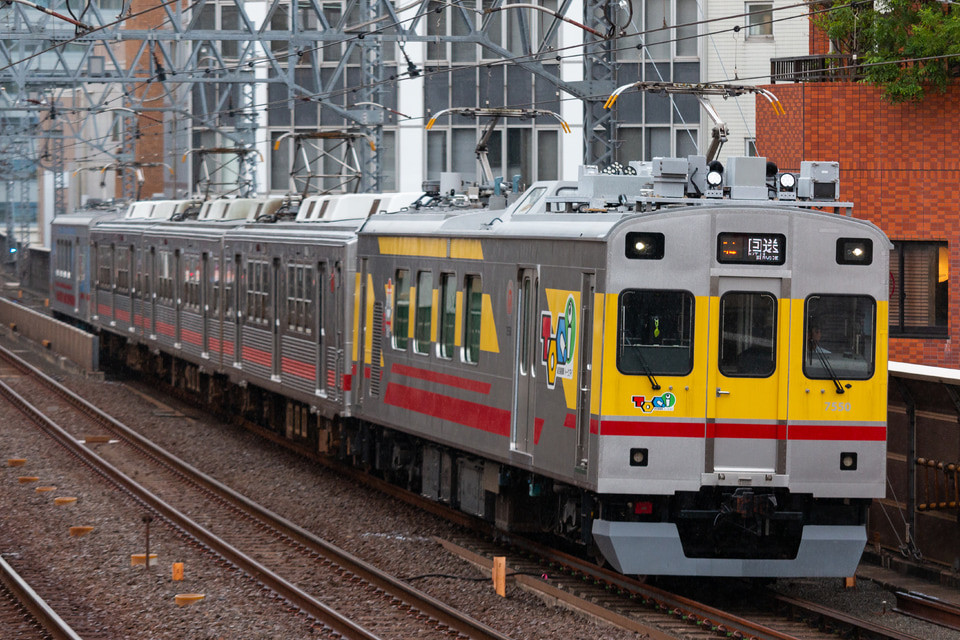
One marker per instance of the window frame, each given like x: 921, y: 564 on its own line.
x: 808, y: 322
x: 758, y: 26
x: 774, y: 326
x: 447, y: 329
x: 898, y: 303
x: 472, y: 320
x: 401, y: 309
x: 688, y: 299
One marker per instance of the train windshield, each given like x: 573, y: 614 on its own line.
x: 840, y: 337
x: 656, y: 332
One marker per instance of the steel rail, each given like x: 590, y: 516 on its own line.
x: 417, y: 599
x: 37, y: 606
x: 293, y: 594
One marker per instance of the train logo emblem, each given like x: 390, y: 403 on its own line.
x: 559, y: 342
x: 663, y: 402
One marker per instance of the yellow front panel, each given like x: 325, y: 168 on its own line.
x: 746, y: 398
x: 818, y: 400
x: 620, y: 391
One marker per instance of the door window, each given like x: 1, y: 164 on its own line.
x: 748, y: 323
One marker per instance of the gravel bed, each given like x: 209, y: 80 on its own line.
x: 119, y: 600
x: 138, y: 604
x: 389, y: 534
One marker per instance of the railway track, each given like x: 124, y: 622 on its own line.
x: 27, y: 616
x: 307, y: 572
x: 612, y: 596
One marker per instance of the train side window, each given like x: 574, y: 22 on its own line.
x: 655, y: 332
x: 214, y: 287
x: 165, y: 277
x: 424, y: 314
x: 473, y: 291
x: 104, y: 281
x: 401, y: 309
x: 448, y: 314
x: 299, y: 278
x: 840, y: 335
x: 123, y: 270
x: 748, y: 330
x: 191, y: 282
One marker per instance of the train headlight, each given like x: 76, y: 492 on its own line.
x: 854, y: 251
x: 714, y: 179
x: 639, y: 457
x: 644, y: 246
x: 788, y: 181
x: 848, y: 461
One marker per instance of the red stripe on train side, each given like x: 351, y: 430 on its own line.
x: 469, y: 414
x: 121, y: 315
x: 652, y: 429
x: 165, y: 328
x: 747, y: 431
x: 837, y: 432
x: 192, y: 337
x: 298, y: 368
x: 441, y: 378
x: 257, y: 356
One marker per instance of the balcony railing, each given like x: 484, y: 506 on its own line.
x: 832, y: 67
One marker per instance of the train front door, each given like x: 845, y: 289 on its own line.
x: 746, y: 394
x: 524, y: 403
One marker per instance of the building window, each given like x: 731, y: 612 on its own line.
x: 919, y: 285
x: 759, y: 20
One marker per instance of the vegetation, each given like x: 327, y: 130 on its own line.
x: 909, y: 46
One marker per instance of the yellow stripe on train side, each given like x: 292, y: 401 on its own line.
x: 412, y: 246
x: 458, y: 249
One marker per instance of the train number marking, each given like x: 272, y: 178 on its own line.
x: 836, y: 406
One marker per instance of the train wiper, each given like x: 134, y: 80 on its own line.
x: 647, y: 371
x: 827, y: 367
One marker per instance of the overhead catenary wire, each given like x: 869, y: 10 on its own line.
x: 328, y: 95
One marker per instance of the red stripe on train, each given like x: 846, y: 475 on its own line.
x: 299, y: 369
x: 257, y: 356
x: 441, y: 378
x: 435, y: 405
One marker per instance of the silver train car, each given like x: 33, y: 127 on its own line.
x: 682, y: 375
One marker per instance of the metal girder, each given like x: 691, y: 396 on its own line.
x: 220, y: 50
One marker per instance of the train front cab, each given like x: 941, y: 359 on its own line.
x: 730, y: 443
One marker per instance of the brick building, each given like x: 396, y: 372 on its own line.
x: 900, y: 165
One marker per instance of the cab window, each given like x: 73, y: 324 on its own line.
x: 655, y: 332
x: 840, y: 337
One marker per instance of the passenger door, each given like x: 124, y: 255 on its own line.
x: 524, y: 403
x: 746, y: 397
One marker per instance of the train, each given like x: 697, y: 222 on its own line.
x: 677, y: 367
